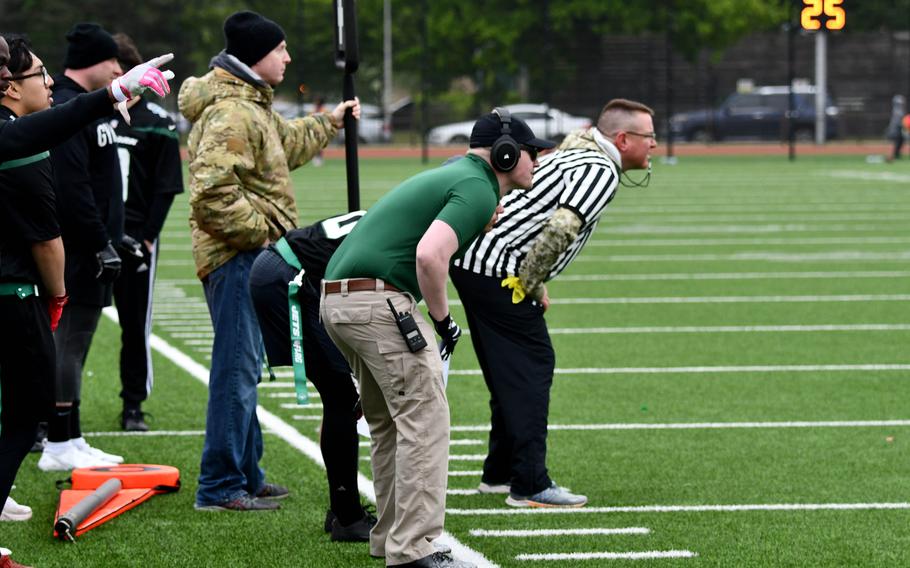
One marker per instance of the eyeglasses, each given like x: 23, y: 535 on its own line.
x: 651, y: 135
x: 41, y: 71
x: 532, y: 152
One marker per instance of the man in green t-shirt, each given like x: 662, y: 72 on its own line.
x: 398, y: 253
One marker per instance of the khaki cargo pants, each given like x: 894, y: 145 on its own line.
x: 404, y: 402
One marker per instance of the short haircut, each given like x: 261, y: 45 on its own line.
x: 619, y: 113
x: 20, y: 54
x: 127, y: 52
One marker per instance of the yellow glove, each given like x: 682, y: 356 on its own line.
x: 518, y: 291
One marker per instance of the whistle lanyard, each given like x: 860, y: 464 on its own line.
x: 296, y: 320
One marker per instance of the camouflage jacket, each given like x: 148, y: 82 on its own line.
x: 241, y: 153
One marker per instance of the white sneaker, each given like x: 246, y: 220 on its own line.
x: 13, y: 511
x: 69, y: 457
x: 83, y: 447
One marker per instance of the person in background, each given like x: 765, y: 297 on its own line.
x: 89, y: 190
x: 149, y: 151
x: 895, y: 131
x: 241, y: 152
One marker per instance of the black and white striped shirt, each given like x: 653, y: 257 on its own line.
x: 581, y: 179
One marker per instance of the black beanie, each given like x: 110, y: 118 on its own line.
x: 249, y: 37
x: 88, y: 44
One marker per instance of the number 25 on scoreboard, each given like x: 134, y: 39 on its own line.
x: 835, y: 15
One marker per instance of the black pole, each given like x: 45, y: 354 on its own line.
x: 791, y: 73
x: 347, y: 58
x: 424, y: 89
x: 669, y: 78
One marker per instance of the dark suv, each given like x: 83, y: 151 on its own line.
x: 757, y: 114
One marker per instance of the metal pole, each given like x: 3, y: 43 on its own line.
x: 791, y: 74
x: 425, y: 91
x: 386, y: 66
x: 821, y: 83
x: 669, y: 79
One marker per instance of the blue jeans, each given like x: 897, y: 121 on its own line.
x: 233, y: 439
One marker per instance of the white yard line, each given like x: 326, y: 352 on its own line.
x: 730, y: 329
x: 746, y: 242
x: 297, y: 440
x: 557, y: 532
x: 757, y: 229
x: 734, y: 276
x: 457, y: 473
x: 295, y: 406
x: 705, y: 425
x: 753, y: 256
x: 150, y: 433
x: 682, y: 509
x: 701, y: 370
x: 649, y: 555
x: 830, y: 298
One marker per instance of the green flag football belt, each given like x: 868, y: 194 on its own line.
x: 296, y: 320
x: 18, y: 289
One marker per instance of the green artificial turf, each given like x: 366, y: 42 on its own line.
x: 660, y: 297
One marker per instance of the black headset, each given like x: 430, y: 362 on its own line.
x: 505, y: 152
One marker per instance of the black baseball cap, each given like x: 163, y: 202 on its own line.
x: 489, y: 127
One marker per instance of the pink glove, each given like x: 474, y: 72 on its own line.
x: 141, y: 77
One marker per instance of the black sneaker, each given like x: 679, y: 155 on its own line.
x: 242, y: 503
x: 358, y: 531
x: 329, y: 519
x: 133, y: 420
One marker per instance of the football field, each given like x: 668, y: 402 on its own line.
x: 732, y: 389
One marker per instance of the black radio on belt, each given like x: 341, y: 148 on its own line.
x: 408, y: 328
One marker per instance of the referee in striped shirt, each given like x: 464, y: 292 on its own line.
x: 501, y: 281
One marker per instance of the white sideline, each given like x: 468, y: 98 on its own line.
x: 150, y: 433
x: 751, y: 256
x: 557, y: 532
x: 300, y: 442
x: 683, y: 509
x: 705, y: 425
x: 718, y: 369
x: 619, y: 243
x: 650, y: 555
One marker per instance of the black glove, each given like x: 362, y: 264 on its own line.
x: 130, y: 248
x: 449, y: 331
x: 109, y: 264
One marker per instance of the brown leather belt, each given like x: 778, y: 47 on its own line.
x: 359, y: 285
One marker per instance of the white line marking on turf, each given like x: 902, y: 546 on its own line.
x: 718, y: 369
x: 457, y: 473
x: 313, y: 417
x: 295, y: 406
x: 149, y: 433
x: 752, y: 256
x: 682, y: 509
x: 462, y: 492
x: 733, y: 276
x: 313, y: 394
x: 731, y: 329
x: 742, y: 229
x: 468, y: 442
x: 737, y: 299
x: 297, y: 440
x: 705, y: 425
x: 557, y: 532
x: 619, y: 243
x: 650, y: 555
x: 867, y: 176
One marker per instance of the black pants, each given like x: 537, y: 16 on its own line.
x: 326, y: 368
x: 133, y: 297
x: 517, y: 360
x: 27, y: 370
x: 898, y: 142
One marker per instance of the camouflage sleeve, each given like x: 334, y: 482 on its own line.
x: 303, y: 138
x: 218, y: 201
x: 559, y: 232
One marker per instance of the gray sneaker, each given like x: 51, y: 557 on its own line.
x: 552, y: 496
x: 243, y: 503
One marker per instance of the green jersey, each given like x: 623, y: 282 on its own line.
x: 384, y: 243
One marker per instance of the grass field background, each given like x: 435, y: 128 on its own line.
x: 734, y: 335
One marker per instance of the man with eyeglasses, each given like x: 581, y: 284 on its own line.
x: 40, y: 131
x: 32, y: 289
x: 502, y: 284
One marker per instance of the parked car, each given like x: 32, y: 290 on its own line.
x: 757, y: 114
x: 370, y: 129
x: 546, y: 122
